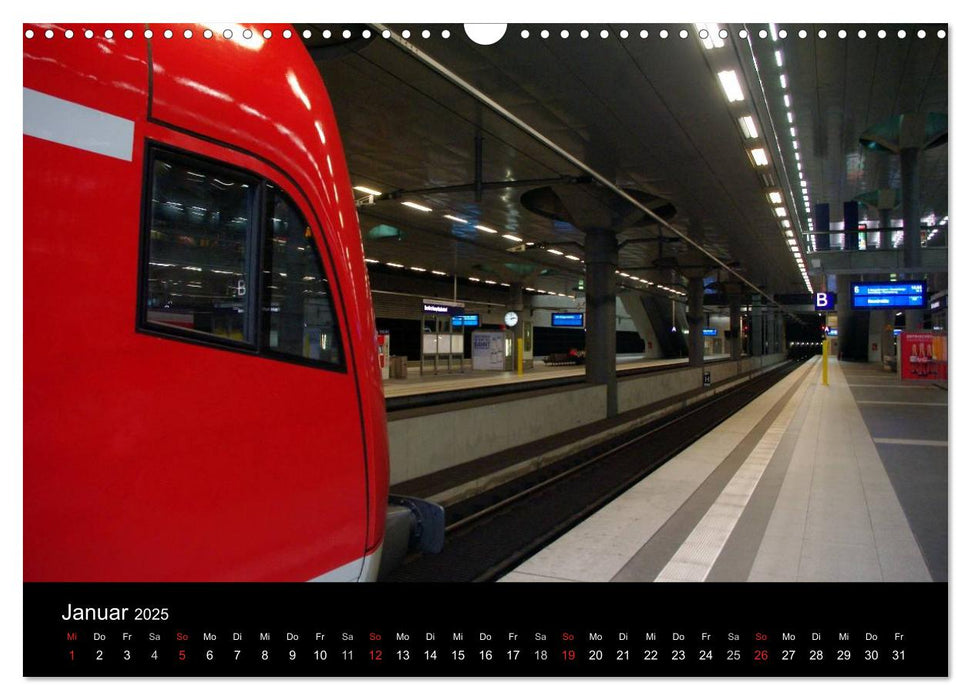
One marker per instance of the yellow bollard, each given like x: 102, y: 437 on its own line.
x: 519, y: 356
x: 826, y: 362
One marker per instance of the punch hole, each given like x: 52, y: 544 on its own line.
x: 841, y: 33
x: 663, y: 34
x: 861, y: 33
x: 901, y: 34
x: 743, y: 34
x: 49, y: 34
x: 325, y: 34
x: 187, y: 33
x: 247, y: 34
x: 565, y: 34
x: 207, y: 34
x: 643, y: 34
x: 306, y: 33
x: 941, y: 34
x: 69, y: 34
x: 584, y: 34
x: 167, y: 33
x: 524, y: 34
x: 488, y: 34
x: 545, y: 34
x: 425, y: 34
x: 109, y: 34
x: 386, y: 34
x: 287, y: 34
x: 624, y: 33
x: 267, y: 34
x: 803, y: 33
x: 683, y: 34
x: 149, y: 33
x: 29, y: 34
x: 882, y: 34
x: 821, y: 34
x: 346, y: 34
x: 366, y: 33
x: 783, y: 33
x: 723, y: 33
x: 921, y: 34
x: 406, y: 34
x: 604, y: 34
x: 763, y: 34
x: 88, y: 34
x: 446, y: 34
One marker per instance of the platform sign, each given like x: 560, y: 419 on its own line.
x: 709, y: 331
x: 890, y: 295
x: 567, y: 320
x: 442, y: 307
x: 466, y: 320
x: 825, y: 301
x: 923, y: 356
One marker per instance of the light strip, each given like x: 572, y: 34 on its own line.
x: 486, y: 229
x: 455, y: 218
x: 748, y: 127
x: 419, y: 207
x: 511, y: 237
x: 758, y: 155
x: 367, y: 190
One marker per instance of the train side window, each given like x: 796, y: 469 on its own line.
x: 298, y: 308
x: 199, y: 249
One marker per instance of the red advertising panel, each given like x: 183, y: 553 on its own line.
x: 923, y: 356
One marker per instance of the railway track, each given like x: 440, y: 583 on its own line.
x: 491, y: 533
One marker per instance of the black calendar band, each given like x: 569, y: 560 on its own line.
x: 502, y: 630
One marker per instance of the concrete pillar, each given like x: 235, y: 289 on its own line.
x: 735, y: 324
x: 844, y: 314
x: 910, y: 199
x: 770, y: 330
x: 757, y: 341
x: 515, y: 303
x: 601, y: 292
x: 696, y: 321
x: 886, y: 237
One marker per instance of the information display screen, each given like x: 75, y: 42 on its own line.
x: 890, y: 295
x: 709, y: 331
x: 825, y: 301
x: 468, y: 320
x: 567, y: 320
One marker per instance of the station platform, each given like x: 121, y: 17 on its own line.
x: 845, y: 482
x: 430, y: 383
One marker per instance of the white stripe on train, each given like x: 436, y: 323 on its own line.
x: 68, y: 123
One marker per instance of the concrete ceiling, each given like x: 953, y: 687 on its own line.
x: 648, y: 113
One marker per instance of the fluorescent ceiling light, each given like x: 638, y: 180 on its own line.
x: 419, y: 269
x: 512, y: 237
x: 487, y: 229
x: 624, y: 274
x: 490, y: 281
x: 473, y: 279
x: 783, y: 82
x: 786, y: 100
x: 789, y: 117
x: 572, y: 257
x: 778, y: 58
x: 758, y: 155
x: 367, y: 190
x: 439, y: 272
x: 371, y: 260
x: 792, y: 131
x: 391, y: 264
x: 731, y: 86
x: 455, y: 218
x: 775, y: 197
x: 786, y: 224
x: 748, y: 127
x: 780, y: 212
x: 419, y: 207
x: 713, y: 40
x: 554, y: 251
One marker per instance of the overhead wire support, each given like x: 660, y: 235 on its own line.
x: 409, y: 48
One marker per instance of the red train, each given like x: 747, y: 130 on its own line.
x: 202, y: 399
